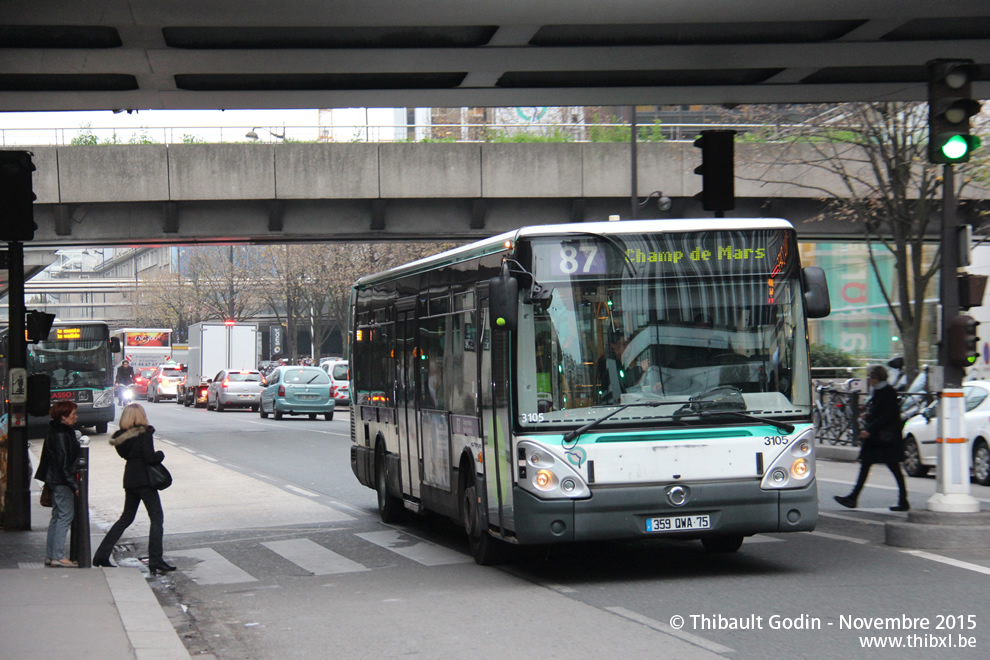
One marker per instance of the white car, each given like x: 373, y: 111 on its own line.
x: 163, y: 383
x: 340, y: 384
x: 921, y: 432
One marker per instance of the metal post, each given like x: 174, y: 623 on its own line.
x: 634, y: 182
x: 17, y: 514
x: 80, y: 544
x: 952, y: 488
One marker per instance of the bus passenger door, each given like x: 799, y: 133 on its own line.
x: 406, y: 399
x: 495, y: 423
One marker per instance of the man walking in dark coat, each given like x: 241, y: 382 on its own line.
x: 881, y: 437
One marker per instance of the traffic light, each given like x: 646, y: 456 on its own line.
x: 718, y: 192
x: 949, y: 110
x: 963, y: 341
x: 16, y: 196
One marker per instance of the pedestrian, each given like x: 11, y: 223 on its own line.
x: 135, y: 443
x: 57, y: 468
x: 881, y: 438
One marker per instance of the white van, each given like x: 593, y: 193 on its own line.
x: 340, y: 382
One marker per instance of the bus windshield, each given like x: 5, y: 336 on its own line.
x: 668, y: 317
x: 74, y: 358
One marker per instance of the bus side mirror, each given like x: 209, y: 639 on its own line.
x: 503, y: 301
x: 816, y: 300
x: 39, y: 394
x: 115, y: 344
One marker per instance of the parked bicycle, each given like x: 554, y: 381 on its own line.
x: 833, y: 417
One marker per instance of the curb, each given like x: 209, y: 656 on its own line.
x: 837, y: 453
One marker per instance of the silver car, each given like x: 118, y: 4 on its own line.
x: 230, y: 388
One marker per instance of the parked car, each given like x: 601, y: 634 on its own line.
x: 340, y: 384
x: 164, y: 381
x: 921, y: 432
x: 292, y: 390
x: 141, y: 380
x: 234, y: 388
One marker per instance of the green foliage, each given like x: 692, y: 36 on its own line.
x: 192, y: 139
x: 829, y: 356
x: 526, y: 137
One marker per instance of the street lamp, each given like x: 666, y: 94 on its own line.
x: 253, y: 135
x: 664, y: 203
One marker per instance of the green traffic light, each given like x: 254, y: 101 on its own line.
x: 955, y: 147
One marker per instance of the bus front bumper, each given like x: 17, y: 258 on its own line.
x: 622, y: 513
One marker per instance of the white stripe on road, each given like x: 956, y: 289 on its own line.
x: 839, y: 537
x: 949, y: 560
x: 208, y: 458
x: 418, y: 550
x: 666, y: 628
x: 301, y: 491
x: 213, y: 567
x: 313, y: 557
x: 839, y: 516
x: 299, y: 428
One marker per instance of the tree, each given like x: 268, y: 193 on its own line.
x: 222, y: 279
x: 876, y: 153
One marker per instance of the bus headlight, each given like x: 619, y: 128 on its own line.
x: 794, y: 467
x: 105, y: 400
x: 547, y: 475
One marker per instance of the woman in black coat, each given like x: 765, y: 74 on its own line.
x: 881, y: 437
x: 135, y: 443
x: 57, y: 468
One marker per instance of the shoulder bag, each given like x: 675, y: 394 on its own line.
x: 46, y: 495
x: 159, y: 476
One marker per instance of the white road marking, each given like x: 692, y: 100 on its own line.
x: 301, y: 491
x: 295, y: 429
x: 759, y: 538
x: 187, y: 450
x: 839, y: 537
x: 416, y: 549
x: 667, y: 629
x: 313, y: 557
x: 950, y: 561
x: 208, y: 458
x: 839, y: 516
x: 213, y: 567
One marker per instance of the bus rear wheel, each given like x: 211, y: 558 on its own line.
x: 485, y: 548
x: 389, y: 506
x: 722, y: 544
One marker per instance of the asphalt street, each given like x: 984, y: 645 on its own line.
x: 281, y: 554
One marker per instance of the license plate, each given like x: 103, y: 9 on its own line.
x: 244, y: 396
x: 308, y: 397
x: 678, y: 523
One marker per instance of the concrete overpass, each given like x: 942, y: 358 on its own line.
x: 215, y: 193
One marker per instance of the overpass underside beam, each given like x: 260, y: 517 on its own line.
x: 330, y: 220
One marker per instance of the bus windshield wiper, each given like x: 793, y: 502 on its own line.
x: 783, y: 426
x: 571, y: 436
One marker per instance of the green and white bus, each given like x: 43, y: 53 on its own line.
x: 78, y: 359
x: 594, y: 381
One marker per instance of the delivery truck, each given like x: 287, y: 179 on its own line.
x: 213, y: 347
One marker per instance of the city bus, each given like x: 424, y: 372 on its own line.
x: 594, y: 381
x: 144, y: 347
x: 78, y: 359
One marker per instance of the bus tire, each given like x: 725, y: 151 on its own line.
x: 722, y: 544
x: 389, y: 506
x: 101, y: 427
x: 485, y: 548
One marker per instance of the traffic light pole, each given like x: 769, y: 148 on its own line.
x: 17, y: 513
x: 952, y: 488
x: 948, y: 286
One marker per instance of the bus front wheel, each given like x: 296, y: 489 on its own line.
x: 722, y: 544
x: 389, y: 506
x: 485, y: 548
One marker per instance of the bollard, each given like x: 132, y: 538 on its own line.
x: 80, y: 545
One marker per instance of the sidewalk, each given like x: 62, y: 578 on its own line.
x: 98, y: 613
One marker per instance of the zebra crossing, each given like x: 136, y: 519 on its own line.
x: 207, y: 566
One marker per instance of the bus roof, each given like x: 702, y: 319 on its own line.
x: 503, y: 242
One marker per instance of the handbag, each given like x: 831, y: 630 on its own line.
x: 159, y: 477
x: 46, y: 496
